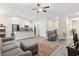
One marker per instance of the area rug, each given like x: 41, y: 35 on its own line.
x: 45, y: 48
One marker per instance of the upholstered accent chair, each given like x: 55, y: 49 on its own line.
x: 51, y: 36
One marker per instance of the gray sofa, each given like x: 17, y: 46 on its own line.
x: 0, y: 46
x: 10, y: 48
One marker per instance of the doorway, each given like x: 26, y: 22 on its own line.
x: 75, y: 25
x: 15, y: 27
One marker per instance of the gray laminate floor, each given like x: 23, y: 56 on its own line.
x: 61, y: 52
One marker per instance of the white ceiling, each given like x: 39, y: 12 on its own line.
x: 25, y: 10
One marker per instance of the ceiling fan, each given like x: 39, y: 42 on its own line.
x: 40, y: 8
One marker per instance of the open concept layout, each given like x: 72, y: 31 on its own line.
x: 39, y: 29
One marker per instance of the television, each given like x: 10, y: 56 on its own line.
x: 26, y: 26
x: 75, y: 39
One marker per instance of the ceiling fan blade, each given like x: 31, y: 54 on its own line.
x: 38, y: 4
x: 38, y: 11
x: 44, y: 11
x: 46, y: 7
x: 34, y: 9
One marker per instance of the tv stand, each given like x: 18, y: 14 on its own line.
x: 72, y: 51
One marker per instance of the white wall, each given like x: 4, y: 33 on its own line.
x: 7, y: 22
x: 20, y: 21
x: 52, y: 24
x: 75, y: 25
x: 44, y: 25
x: 62, y: 27
x: 41, y: 26
x: 62, y: 24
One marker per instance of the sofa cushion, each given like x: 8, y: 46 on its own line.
x: 9, y: 47
x: 0, y: 45
x: 13, y: 52
x: 26, y: 53
x: 8, y: 42
x: 7, y: 39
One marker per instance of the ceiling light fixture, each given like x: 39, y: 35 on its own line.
x: 40, y: 8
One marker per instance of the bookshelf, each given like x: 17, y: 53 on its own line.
x: 2, y: 30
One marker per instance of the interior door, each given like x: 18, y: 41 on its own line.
x: 18, y: 28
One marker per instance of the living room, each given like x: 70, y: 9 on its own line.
x: 37, y: 29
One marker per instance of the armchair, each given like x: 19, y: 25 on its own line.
x: 51, y: 36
